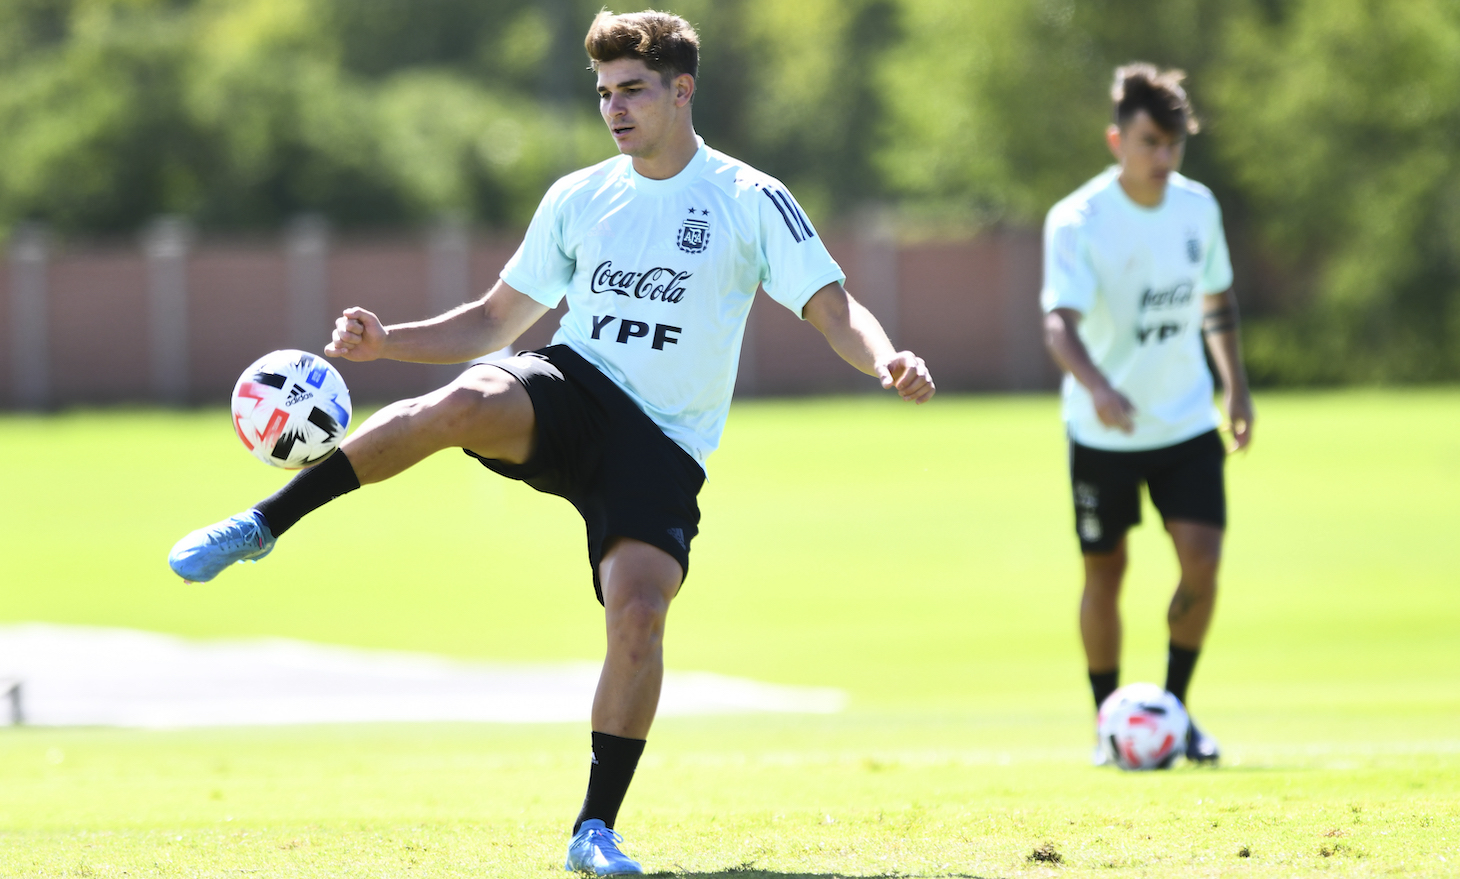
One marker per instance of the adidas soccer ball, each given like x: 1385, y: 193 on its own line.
x: 291, y: 409
x: 1141, y: 726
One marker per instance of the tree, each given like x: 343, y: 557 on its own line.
x: 1342, y: 123
x: 1000, y: 105
x: 241, y: 113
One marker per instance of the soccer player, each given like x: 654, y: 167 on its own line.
x: 1136, y: 278
x: 659, y: 252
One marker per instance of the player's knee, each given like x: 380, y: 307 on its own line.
x: 638, y: 614
x: 635, y: 595
x: 1104, y: 572
x: 458, y: 405
x: 1199, y: 567
x: 465, y: 406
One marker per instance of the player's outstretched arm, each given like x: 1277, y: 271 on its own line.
x: 857, y: 337
x: 1219, y: 326
x: 492, y: 322
x: 1112, y: 407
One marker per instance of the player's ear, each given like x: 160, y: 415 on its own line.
x: 1112, y: 140
x: 684, y: 89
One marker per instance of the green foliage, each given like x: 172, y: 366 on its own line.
x: 976, y: 109
x: 1000, y: 106
x: 92, y: 120
x: 241, y: 113
x: 1329, y: 141
x: 1343, y: 118
x: 808, y: 102
x: 1328, y: 127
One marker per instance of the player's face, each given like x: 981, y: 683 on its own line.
x: 1147, y: 153
x: 641, y: 110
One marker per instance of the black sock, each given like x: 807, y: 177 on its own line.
x: 1103, y: 683
x: 1179, y: 665
x: 614, y: 761
x: 307, y: 492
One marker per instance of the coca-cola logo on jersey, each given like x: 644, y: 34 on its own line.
x: 1177, y: 296
x: 661, y: 284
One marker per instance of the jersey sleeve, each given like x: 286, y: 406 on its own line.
x: 1069, y: 279
x: 794, y: 262
x: 1216, y: 275
x: 541, y: 268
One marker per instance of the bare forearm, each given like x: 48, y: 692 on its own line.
x: 469, y: 331
x: 457, y: 336
x: 863, y: 343
x: 856, y: 336
x: 851, y: 330
x: 1226, y: 351
x: 1221, y: 328
x: 1112, y: 407
x: 1069, y: 352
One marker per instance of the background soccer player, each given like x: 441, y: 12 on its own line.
x: 1136, y: 275
x: 659, y: 252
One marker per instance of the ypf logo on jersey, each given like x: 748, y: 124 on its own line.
x: 694, y: 234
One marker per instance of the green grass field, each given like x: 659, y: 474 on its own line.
x: 921, y: 559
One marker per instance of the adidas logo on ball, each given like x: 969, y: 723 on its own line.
x: 280, y: 420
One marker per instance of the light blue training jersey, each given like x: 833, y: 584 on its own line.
x: 660, y: 275
x: 1138, y: 275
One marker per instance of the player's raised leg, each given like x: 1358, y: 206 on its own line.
x: 1199, y: 552
x: 639, y: 581
x: 484, y: 410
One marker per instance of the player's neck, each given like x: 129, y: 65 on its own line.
x: 1147, y: 194
x: 671, y: 157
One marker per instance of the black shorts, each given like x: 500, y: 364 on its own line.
x: 597, y: 448
x: 1185, y: 482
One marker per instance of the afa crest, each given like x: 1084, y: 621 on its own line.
x: 694, y: 235
x: 1193, y: 247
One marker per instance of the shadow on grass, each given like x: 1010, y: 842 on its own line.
x: 749, y: 872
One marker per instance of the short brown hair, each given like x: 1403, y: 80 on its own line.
x: 1141, y: 86
x: 664, y: 42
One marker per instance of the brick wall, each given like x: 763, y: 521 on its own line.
x: 969, y: 307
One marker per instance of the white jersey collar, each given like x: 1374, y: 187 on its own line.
x: 1129, y: 203
x: 679, y: 181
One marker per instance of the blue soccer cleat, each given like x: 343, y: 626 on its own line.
x: 594, y: 850
x: 204, y: 554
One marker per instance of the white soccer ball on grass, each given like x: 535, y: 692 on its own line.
x: 291, y: 409
x: 1141, y: 726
